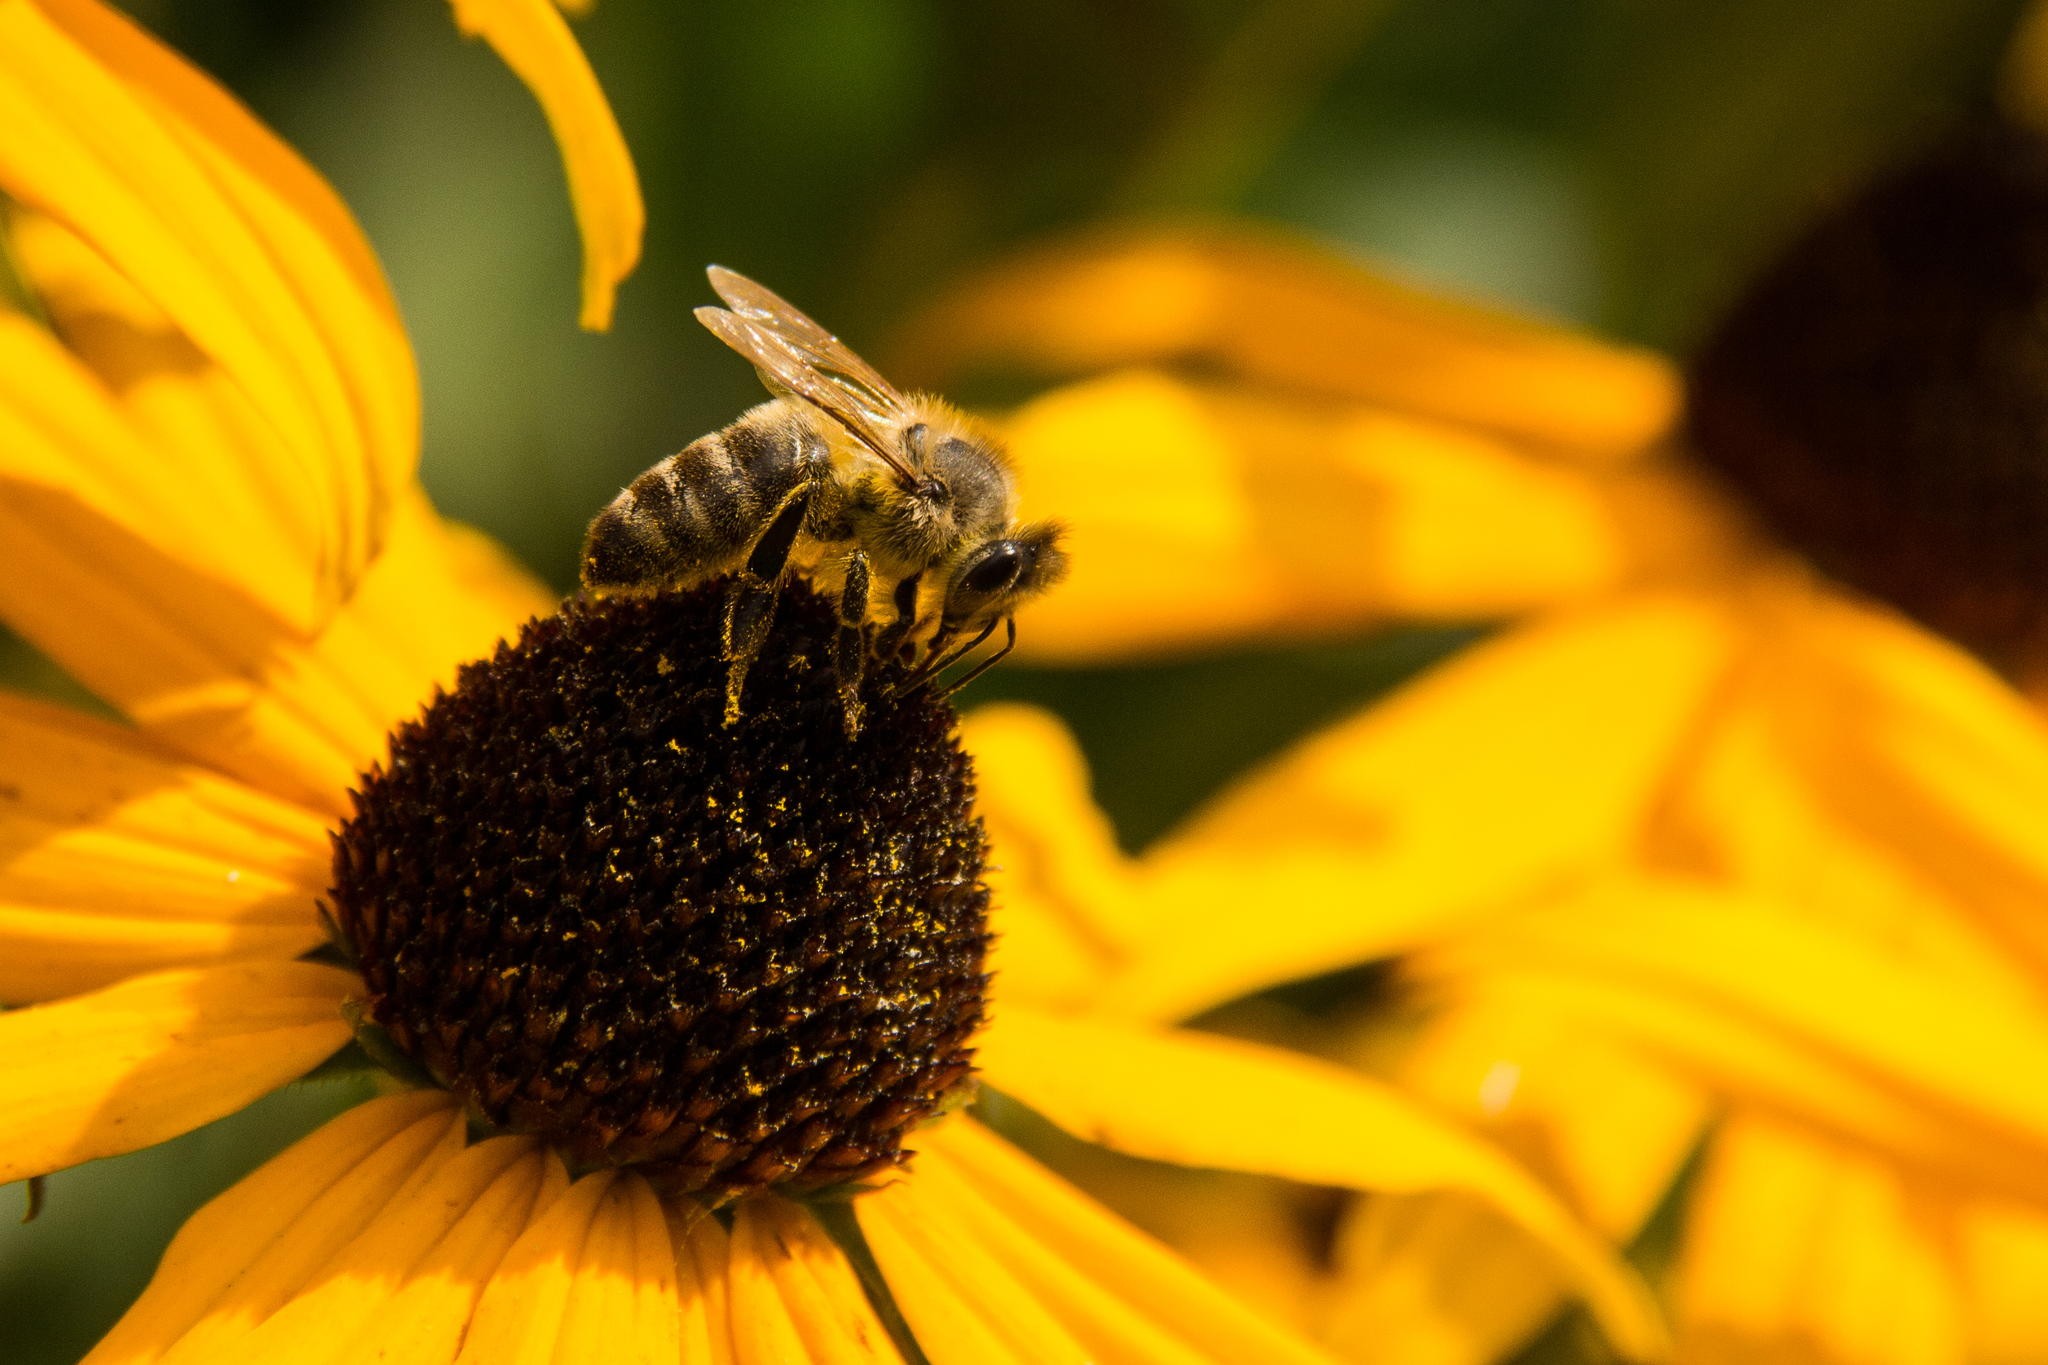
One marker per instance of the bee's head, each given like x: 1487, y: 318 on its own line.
x: 995, y: 576
x: 956, y: 490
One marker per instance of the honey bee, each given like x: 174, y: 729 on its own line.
x: 891, y: 502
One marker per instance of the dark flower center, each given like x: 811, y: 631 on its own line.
x: 1881, y: 394
x: 733, y: 957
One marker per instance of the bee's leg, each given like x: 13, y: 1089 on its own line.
x: 892, y: 638
x: 750, y: 601
x: 850, y: 648
x: 1009, y: 643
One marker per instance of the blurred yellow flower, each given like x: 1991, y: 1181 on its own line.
x: 1705, y: 859
x: 208, y: 441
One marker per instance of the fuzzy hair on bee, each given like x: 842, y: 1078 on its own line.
x: 899, y: 506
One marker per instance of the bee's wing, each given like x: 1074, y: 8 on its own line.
x: 795, y: 355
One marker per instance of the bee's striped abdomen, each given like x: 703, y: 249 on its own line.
x: 695, y: 514
x: 685, y: 519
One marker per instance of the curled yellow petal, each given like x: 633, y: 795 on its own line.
x: 206, y: 483
x: 1292, y: 316
x: 215, y: 222
x: 136, y: 1063
x: 229, y: 129
x: 533, y: 39
x: 1202, y: 1100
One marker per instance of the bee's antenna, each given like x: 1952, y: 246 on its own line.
x: 992, y: 660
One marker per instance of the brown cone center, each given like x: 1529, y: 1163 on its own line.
x: 734, y: 957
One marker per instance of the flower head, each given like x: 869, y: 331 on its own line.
x: 734, y: 957
x: 677, y: 1017
x: 1707, y: 858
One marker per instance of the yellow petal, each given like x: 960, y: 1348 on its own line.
x: 1275, y: 310
x: 531, y: 37
x: 1255, y: 1236
x: 2003, y: 1255
x: 439, y: 596
x: 1198, y: 514
x: 227, y: 129
x: 182, y: 653
x: 116, y: 859
x: 1930, y: 754
x: 592, y: 1279
x: 243, y: 1256
x: 704, y: 1259
x: 963, y: 1306
x: 1444, y: 1278
x: 942, y: 1308
x: 1769, y: 804
x: 1855, y: 1037
x: 156, y: 1056
x: 157, y: 436
x: 1062, y: 892
x: 1522, y: 761
x: 197, y: 664
x: 794, y: 1296
x: 404, y: 1289
x: 1121, y: 1293
x: 519, y: 1318
x: 1436, y: 1279
x: 626, y: 1307
x: 1596, y: 1122
x: 184, y: 196
x: 1799, y: 1250
x: 1203, y: 1100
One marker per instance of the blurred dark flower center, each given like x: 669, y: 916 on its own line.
x: 732, y: 957
x: 1881, y: 394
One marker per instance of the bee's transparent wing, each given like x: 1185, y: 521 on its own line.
x: 795, y: 355
x: 830, y: 356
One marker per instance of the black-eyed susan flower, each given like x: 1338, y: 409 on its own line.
x: 680, y: 1017
x: 1711, y: 857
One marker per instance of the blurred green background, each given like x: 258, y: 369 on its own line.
x: 1617, y: 163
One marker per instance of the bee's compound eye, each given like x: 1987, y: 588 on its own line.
x: 994, y: 570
